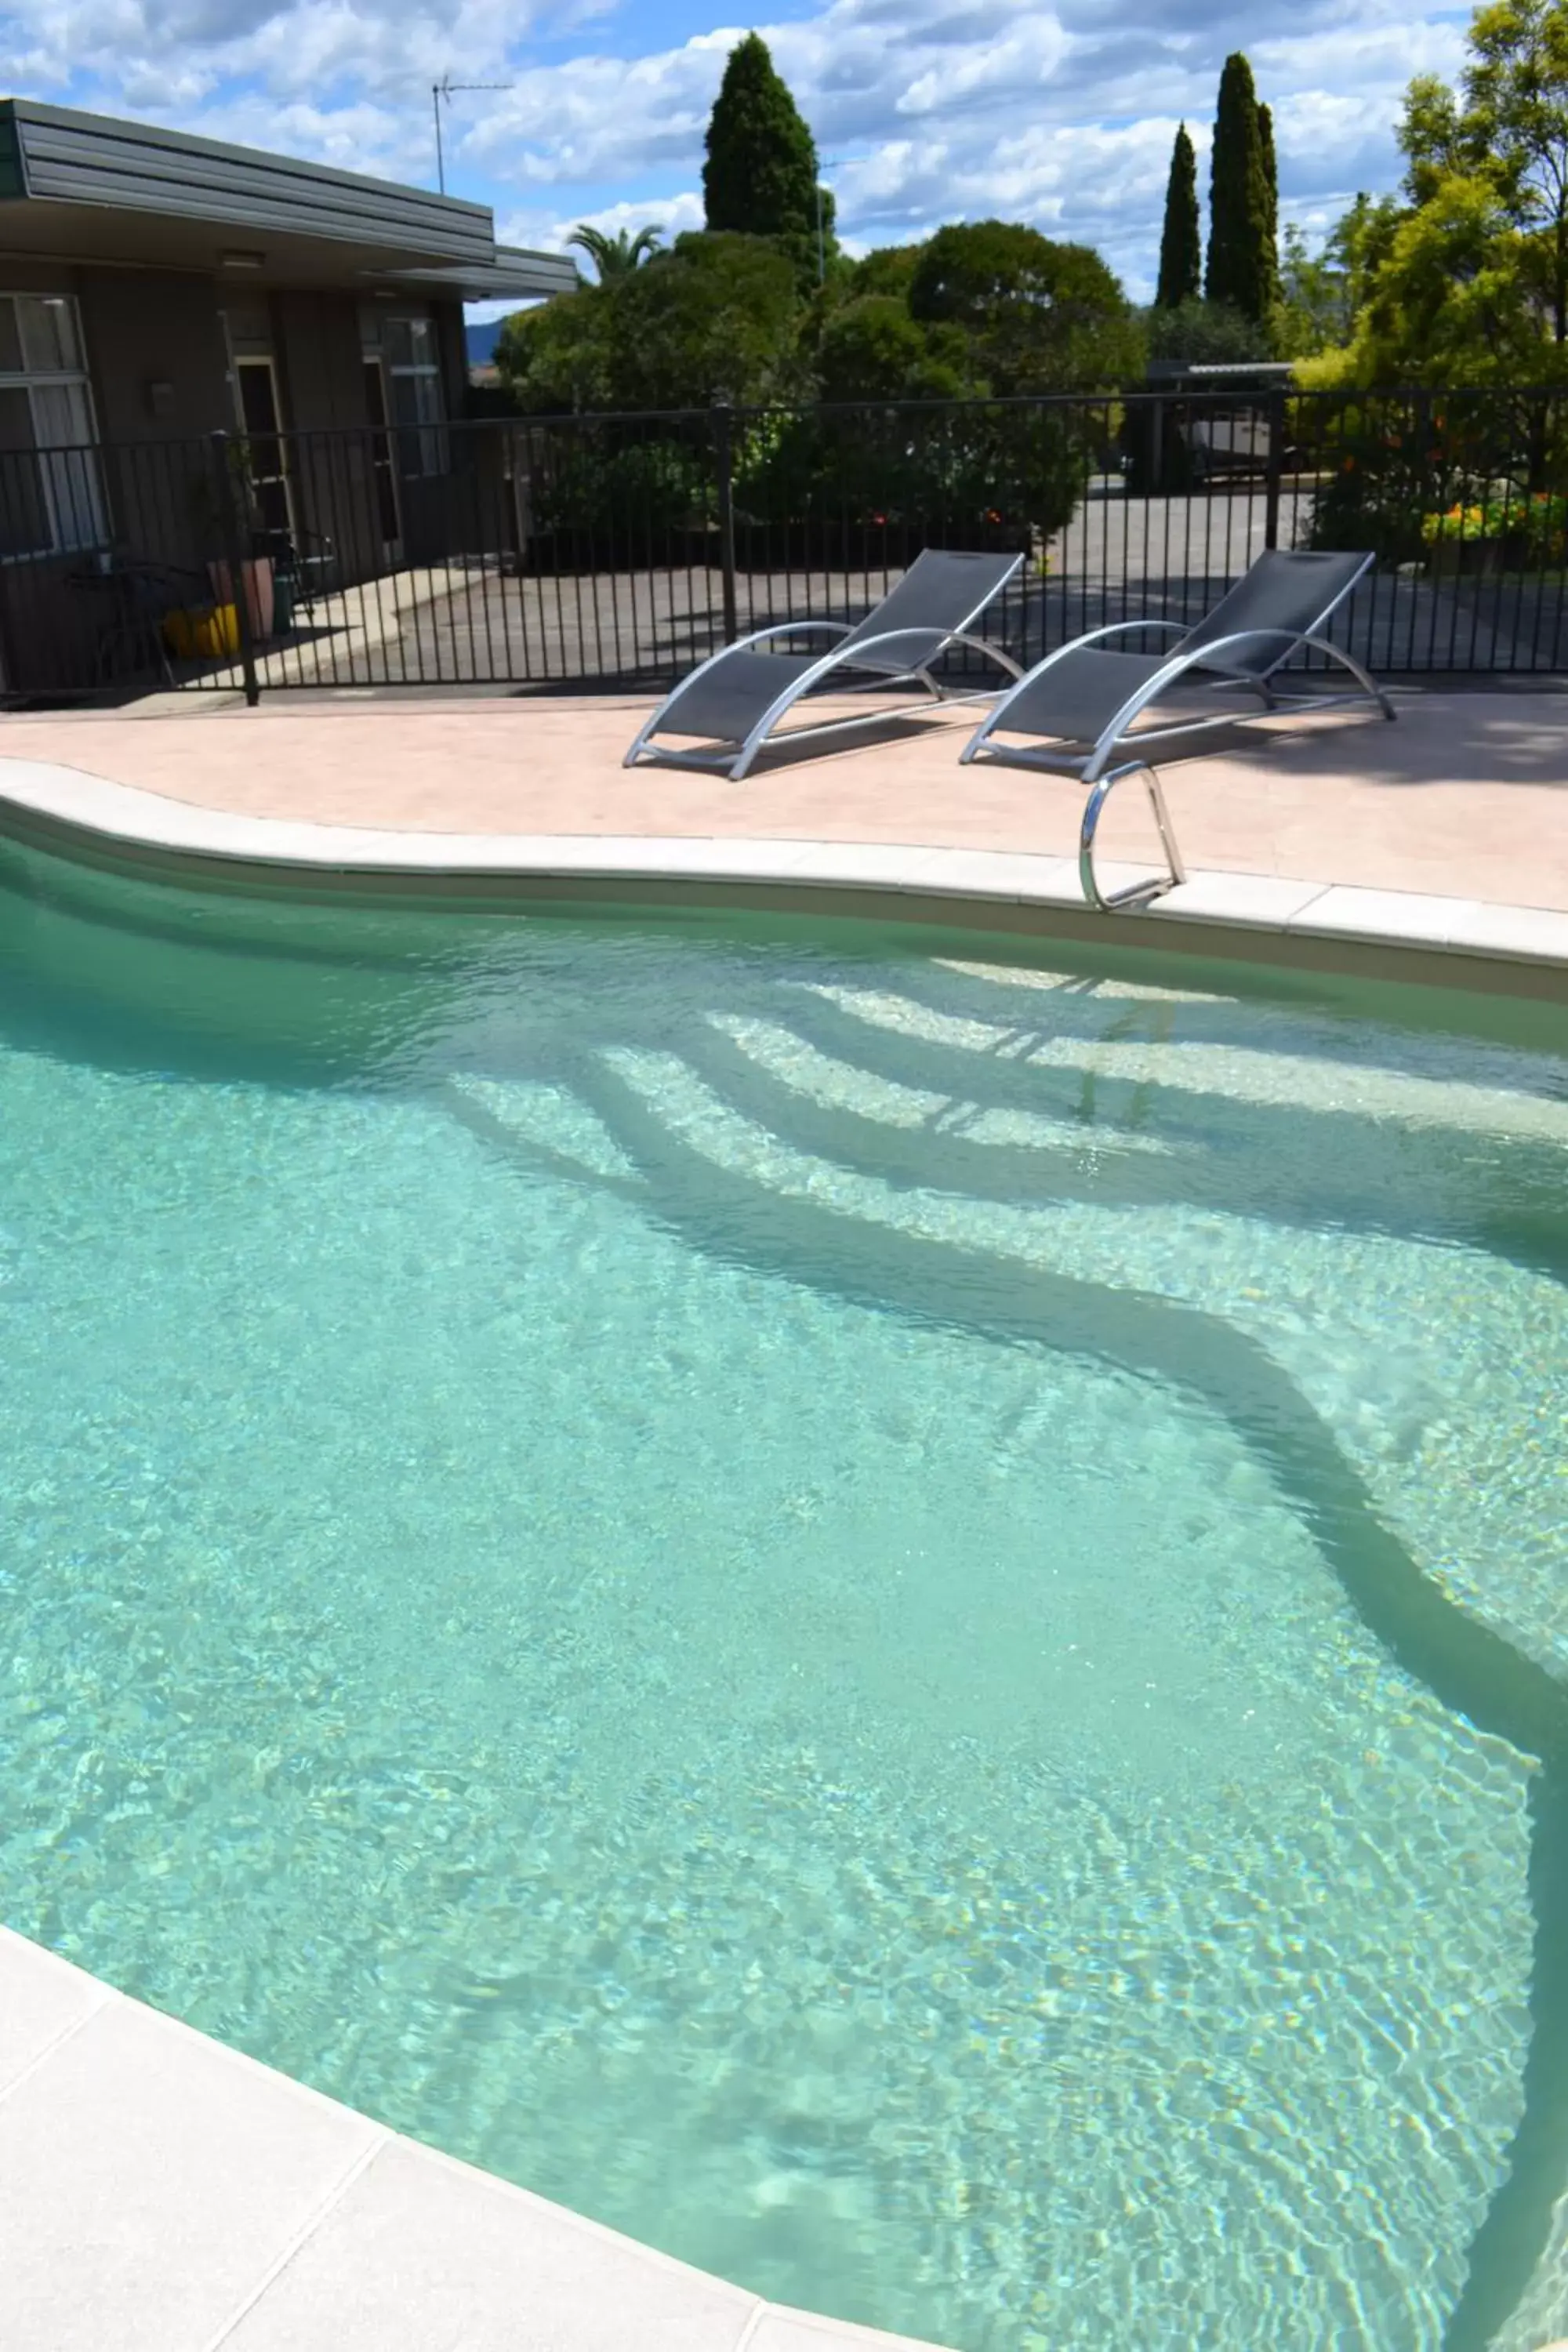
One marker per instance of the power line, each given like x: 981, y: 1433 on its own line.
x: 447, y: 88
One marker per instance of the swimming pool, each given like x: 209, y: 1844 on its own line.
x: 895, y: 1620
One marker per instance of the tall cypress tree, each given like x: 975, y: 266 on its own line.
x: 761, y: 172
x: 1243, y: 269
x: 1181, y: 240
x: 1272, y: 181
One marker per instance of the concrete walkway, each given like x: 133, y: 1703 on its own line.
x: 1466, y: 796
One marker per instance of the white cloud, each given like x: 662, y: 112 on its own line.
x: 1059, y: 113
x: 670, y: 214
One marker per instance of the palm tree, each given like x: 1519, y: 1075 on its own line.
x: 613, y: 257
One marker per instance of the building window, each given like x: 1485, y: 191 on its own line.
x: 414, y: 373
x: 51, y: 496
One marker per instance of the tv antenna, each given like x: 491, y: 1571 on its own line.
x: 447, y: 89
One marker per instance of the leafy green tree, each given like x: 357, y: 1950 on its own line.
x: 717, y: 314
x: 1451, y: 301
x: 1429, y: 136
x: 1315, y: 312
x: 1468, y: 283
x: 1362, y: 241
x: 1509, y: 127
x: 1449, y: 306
x: 760, y: 178
x: 612, y: 257
x: 554, y: 359
x: 1463, y: 289
x: 713, y: 314
x: 871, y: 349
x: 886, y: 269
x: 1181, y: 240
x: 1196, y: 333
x: 1034, y: 316
x: 1243, y: 268
x: 1323, y: 294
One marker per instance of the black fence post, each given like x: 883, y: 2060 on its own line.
x: 231, y: 524
x: 724, y: 469
x: 1276, y: 467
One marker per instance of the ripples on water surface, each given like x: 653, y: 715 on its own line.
x: 891, y: 1620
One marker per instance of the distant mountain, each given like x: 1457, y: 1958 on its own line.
x: 482, y: 341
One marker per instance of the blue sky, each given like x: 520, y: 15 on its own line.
x: 1060, y: 114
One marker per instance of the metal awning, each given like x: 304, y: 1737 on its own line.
x: 91, y: 188
x: 515, y: 274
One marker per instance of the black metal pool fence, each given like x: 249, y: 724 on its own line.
x: 615, y: 550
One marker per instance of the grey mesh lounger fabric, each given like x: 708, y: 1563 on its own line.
x: 1077, y: 712
x: 729, y: 706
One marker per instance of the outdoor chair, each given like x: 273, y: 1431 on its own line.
x: 304, y: 564
x: 735, y: 700
x: 130, y: 597
x: 1079, y: 707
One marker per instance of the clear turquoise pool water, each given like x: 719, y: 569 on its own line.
x: 893, y: 1620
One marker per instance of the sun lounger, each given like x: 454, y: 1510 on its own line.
x: 732, y: 704
x: 1076, y: 713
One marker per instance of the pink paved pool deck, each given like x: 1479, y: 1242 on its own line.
x: 1465, y: 795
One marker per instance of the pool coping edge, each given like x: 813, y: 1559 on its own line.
x: 1312, y: 925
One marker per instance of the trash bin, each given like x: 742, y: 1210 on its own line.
x: 203, y: 634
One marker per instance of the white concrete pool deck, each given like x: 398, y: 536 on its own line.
x: 162, y: 2193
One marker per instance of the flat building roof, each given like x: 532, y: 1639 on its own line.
x: 94, y: 188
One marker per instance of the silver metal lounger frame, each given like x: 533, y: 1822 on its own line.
x: 1093, y: 768
x: 736, y: 759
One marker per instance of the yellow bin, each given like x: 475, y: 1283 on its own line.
x: 203, y: 634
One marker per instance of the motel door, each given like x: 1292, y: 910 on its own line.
x: 382, y: 466
x: 261, y: 416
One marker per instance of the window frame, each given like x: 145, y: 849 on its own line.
x: 28, y: 380
x: 425, y: 436
x: 277, y: 437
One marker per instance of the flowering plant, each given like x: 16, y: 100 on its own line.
x: 1536, y: 525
